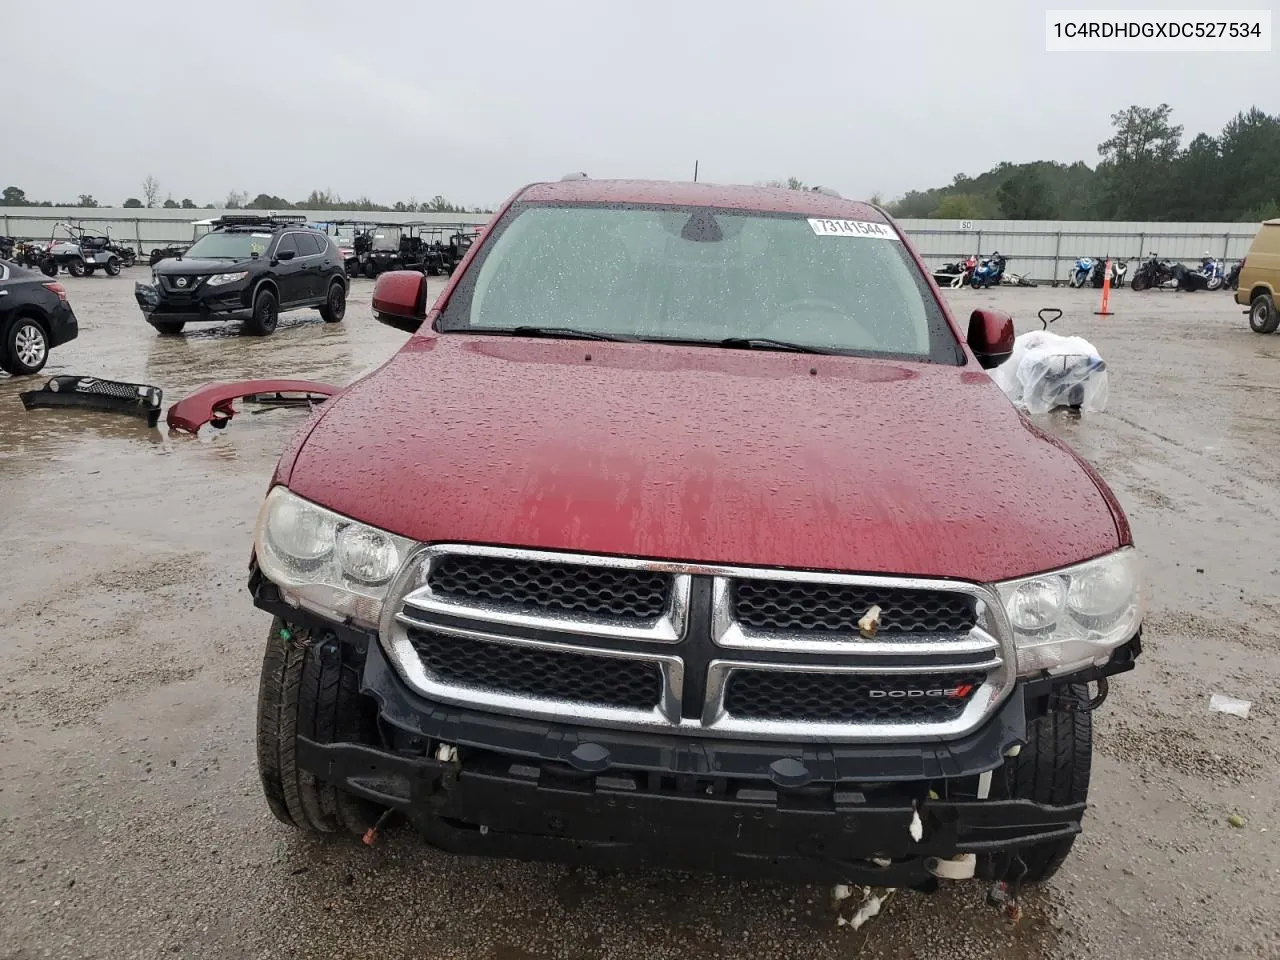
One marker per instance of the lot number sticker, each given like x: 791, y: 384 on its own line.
x: 852, y: 228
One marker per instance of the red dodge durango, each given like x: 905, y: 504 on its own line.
x: 687, y: 529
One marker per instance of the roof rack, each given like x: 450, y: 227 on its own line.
x: 254, y: 219
x: 575, y: 176
x: 827, y: 192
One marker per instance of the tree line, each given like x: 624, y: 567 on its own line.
x: 1144, y: 173
x: 240, y: 200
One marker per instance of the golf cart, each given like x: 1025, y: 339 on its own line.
x: 392, y: 246
x: 81, y: 253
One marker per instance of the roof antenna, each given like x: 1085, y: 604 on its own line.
x: 695, y: 171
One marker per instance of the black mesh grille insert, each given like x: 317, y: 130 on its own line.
x: 535, y: 586
x: 849, y: 698
x: 556, y: 675
x: 824, y: 607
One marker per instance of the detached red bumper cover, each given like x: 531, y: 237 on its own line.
x: 214, y: 402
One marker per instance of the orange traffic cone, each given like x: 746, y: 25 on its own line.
x: 1106, y: 292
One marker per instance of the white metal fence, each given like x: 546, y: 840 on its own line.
x: 1045, y: 249
x: 146, y: 229
x: 1041, y: 249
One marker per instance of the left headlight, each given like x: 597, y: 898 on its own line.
x: 1072, y: 618
x: 324, y: 561
x: 218, y: 279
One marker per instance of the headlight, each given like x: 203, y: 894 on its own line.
x: 1072, y: 618
x: 218, y: 279
x: 324, y: 561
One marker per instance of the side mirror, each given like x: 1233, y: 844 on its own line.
x: 990, y: 337
x: 286, y: 254
x: 400, y: 299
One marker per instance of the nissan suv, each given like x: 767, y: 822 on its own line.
x: 247, y: 268
x: 688, y: 529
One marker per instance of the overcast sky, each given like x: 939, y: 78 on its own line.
x: 472, y: 99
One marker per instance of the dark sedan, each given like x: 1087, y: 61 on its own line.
x: 35, y: 317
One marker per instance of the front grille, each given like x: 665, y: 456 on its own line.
x: 535, y: 586
x: 837, y: 608
x: 548, y: 674
x: 171, y: 283
x: 848, y: 698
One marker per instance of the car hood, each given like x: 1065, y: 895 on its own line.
x: 174, y: 267
x: 703, y: 455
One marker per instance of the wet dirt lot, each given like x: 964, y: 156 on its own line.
x: 131, y: 819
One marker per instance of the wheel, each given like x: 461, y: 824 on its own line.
x: 1052, y: 768
x: 49, y: 267
x: 1262, y: 314
x: 306, y: 690
x: 1214, y: 283
x: 76, y: 267
x: 89, y: 268
x: 112, y: 267
x: 370, y: 269
x: 168, y: 328
x: 266, y: 314
x: 335, y: 304
x: 1140, y: 282
x: 26, y: 348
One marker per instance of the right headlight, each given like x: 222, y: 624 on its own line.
x: 324, y: 561
x: 1075, y: 617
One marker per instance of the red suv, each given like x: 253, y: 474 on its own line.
x: 688, y: 529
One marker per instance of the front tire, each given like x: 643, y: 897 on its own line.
x: 306, y: 690
x: 76, y: 267
x: 1140, y: 282
x: 112, y: 268
x: 49, y: 267
x: 168, y: 328
x: 1053, y: 768
x: 25, y: 349
x: 335, y: 304
x: 1262, y: 314
x: 266, y: 314
x: 370, y: 270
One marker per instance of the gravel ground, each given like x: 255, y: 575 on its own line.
x: 131, y: 819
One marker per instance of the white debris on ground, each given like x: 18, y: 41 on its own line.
x: 1046, y: 369
x: 1221, y: 703
x: 870, y: 906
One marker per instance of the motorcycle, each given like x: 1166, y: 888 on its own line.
x: 1188, y: 280
x: 989, y: 271
x: 1214, y: 275
x: 1153, y: 273
x: 1080, y: 272
x: 1233, y: 277
x: 956, y: 274
x: 1119, y: 270
x: 1047, y: 371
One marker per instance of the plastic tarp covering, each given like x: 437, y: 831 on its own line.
x: 1047, y: 370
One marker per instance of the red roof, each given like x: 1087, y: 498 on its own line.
x: 728, y: 196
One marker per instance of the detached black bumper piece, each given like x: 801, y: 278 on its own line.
x: 134, y: 399
x: 490, y: 805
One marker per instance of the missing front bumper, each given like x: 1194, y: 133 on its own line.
x: 493, y: 806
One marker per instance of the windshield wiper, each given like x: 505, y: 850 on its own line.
x: 567, y: 332
x: 767, y: 343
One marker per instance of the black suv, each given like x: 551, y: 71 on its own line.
x: 247, y: 268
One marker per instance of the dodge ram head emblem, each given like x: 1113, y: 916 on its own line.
x: 181, y: 281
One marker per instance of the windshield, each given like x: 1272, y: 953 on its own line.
x: 701, y: 275
x: 229, y: 246
x: 386, y: 238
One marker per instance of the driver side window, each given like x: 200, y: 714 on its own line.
x: 286, y: 244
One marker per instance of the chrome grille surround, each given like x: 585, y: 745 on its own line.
x: 670, y: 642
